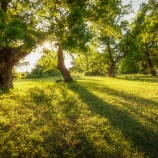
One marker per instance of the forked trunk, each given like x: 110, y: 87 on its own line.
x: 150, y: 64
x: 111, y: 70
x: 62, y: 68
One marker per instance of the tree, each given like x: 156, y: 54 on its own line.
x: 90, y: 63
x: 46, y: 65
x: 108, y: 26
x: 71, y: 24
x: 68, y: 29
x: 145, y: 33
x: 18, y: 36
x: 114, y: 36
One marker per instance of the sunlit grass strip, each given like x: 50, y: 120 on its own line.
x: 94, y: 117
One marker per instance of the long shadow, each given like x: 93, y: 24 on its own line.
x: 149, y: 79
x: 141, y: 137
x: 83, y: 147
x: 131, y: 98
x: 125, y: 95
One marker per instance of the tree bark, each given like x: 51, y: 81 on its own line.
x: 4, y: 5
x: 8, y: 59
x: 62, y: 68
x: 111, y: 70
x: 6, y: 76
x: 150, y: 64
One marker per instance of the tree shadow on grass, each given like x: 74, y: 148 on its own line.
x: 130, y: 99
x: 64, y: 136
x: 141, y: 137
x: 149, y: 79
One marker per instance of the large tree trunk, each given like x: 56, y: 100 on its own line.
x: 8, y: 59
x: 150, y: 64
x: 6, y: 76
x: 62, y: 68
x: 4, y: 5
x: 111, y: 70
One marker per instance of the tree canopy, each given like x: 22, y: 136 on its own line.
x: 75, y: 26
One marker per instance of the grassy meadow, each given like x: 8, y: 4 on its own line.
x: 92, y: 117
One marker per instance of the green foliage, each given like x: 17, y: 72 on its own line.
x: 144, y: 32
x: 112, y: 31
x: 67, y: 24
x: 15, y: 30
x: 129, y: 66
x: 19, y: 75
x: 46, y: 66
x: 48, y: 61
x: 131, y: 63
x: 93, y: 117
x: 91, y: 63
x: 18, y: 25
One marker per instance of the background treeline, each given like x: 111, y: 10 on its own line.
x: 124, y: 48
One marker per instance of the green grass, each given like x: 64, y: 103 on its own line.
x: 93, y: 117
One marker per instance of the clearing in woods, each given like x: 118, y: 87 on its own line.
x: 92, y: 117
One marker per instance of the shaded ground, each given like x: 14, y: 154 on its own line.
x: 91, y: 117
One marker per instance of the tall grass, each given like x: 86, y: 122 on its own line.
x: 93, y: 117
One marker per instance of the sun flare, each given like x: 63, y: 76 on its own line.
x: 47, y: 45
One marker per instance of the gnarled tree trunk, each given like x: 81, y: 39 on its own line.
x: 62, y: 68
x: 8, y: 59
x: 111, y: 70
x: 150, y: 64
x: 6, y: 76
